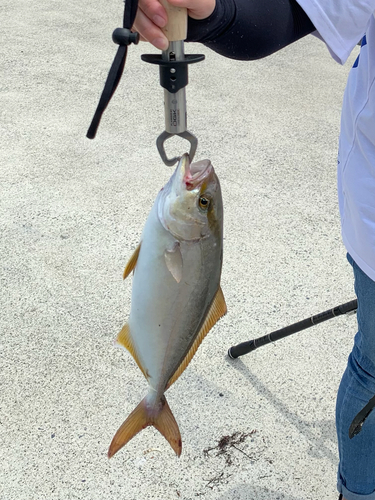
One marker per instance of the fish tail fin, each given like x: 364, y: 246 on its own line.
x: 141, y: 417
x: 166, y: 424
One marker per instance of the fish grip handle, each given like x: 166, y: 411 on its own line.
x: 173, y: 74
x: 176, y: 27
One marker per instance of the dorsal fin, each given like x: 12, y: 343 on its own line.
x: 124, y: 339
x: 132, y: 262
x: 217, y: 310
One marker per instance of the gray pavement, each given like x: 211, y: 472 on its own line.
x: 71, y: 212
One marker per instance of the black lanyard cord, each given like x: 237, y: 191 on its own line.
x: 123, y: 37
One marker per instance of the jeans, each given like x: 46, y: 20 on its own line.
x: 356, y: 473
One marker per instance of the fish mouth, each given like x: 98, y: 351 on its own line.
x: 193, y: 174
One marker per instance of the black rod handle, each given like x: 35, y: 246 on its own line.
x: 246, y: 347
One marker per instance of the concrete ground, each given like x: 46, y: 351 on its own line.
x: 71, y: 212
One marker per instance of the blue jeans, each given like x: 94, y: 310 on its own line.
x: 356, y: 473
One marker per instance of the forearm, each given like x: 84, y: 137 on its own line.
x: 251, y: 29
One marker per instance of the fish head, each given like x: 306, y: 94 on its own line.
x: 190, y: 204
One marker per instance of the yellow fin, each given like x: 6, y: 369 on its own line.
x: 132, y: 262
x: 166, y: 424
x: 142, y: 416
x: 217, y: 310
x: 125, y: 340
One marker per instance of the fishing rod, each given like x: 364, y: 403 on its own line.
x: 246, y: 347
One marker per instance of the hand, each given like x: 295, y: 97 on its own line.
x: 151, y: 17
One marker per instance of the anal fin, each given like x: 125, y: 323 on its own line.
x: 124, y: 339
x: 217, y: 310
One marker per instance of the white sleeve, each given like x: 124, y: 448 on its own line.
x: 340, y: 23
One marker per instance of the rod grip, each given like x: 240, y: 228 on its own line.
x: 241, y: 349
x: 176, y: 27
x: 348, y: 307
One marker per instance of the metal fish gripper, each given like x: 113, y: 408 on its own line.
x: 173, y: 69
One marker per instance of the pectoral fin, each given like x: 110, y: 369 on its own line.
x: 217, y: 310
x: 124, y: 339
x: 132, y: 262
x: 173, y: 261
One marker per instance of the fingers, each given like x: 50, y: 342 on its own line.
x: 154, y: 11
x: 151, y: 17
x: 198, y: 9
x: 147, y: 28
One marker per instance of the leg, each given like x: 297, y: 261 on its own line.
x: 356, y: 474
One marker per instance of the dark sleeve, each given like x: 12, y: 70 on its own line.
x: 251, y: 29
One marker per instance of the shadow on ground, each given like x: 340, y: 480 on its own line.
x: 326, y: 428
x: 249, y: 492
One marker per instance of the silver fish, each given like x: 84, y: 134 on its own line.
x: 176, y: 294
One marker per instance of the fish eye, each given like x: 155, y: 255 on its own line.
x: 204, y: 203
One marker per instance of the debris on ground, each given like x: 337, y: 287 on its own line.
x: 226, y: 443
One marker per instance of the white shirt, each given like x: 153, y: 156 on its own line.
x: 342, y: 24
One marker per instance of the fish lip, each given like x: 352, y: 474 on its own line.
x: 194, y: 173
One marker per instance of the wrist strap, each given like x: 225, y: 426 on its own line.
x: 123, y: 37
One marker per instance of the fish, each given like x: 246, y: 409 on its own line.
x: 176, y: 294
